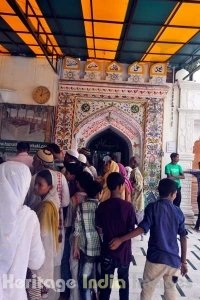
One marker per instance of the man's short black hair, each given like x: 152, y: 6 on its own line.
x: 114, y: 180
x: 166, y: 187
x: 23, y: 147
x: 54, y: 148
x: 114, y: 157
x: 174, y: 155
x: 73, y: 168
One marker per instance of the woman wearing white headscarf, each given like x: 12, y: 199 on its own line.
x: 20, y: 242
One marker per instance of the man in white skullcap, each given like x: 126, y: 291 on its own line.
x: 83, y: 160
x: 71, y: 155
x: 43, y: 159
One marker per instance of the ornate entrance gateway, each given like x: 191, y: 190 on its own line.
x: 135, y: 113
x: 109, y: 142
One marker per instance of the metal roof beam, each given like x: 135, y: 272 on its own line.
x: 102, y: 38
x: 92, y: 20
x: 85, y: 48
x: 44, y: 47
x: 10, y: 39
x: 56, y: 21
x: 192, y: 55
x: 192, y: 72
x: 127, y: 28
x: 5, y: 31
x: 162, y: 30
x: 51, y: 17
x: 185, y: 1
x: 189, y: 60
x: 188, y: 42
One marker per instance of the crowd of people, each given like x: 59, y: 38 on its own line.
x: 61, y: 220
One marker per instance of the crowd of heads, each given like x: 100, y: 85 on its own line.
x: 74, y: 161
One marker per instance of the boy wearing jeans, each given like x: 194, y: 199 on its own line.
x: 165, y: 222
x: 115, y: 217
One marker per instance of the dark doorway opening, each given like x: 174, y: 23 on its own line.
x: 108, y: 143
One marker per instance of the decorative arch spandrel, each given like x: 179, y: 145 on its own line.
x: 73, y: 125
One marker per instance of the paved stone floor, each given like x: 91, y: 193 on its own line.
x: 188, y: 287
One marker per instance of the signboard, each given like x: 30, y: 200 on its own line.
x: 7, y: 146
x: 71, y: 63
x: 158, y: 69
x: 171, y: 147
x: 114, y: 67
x: 92, y: 66
x: 136, y: 68
x: 20, y: 122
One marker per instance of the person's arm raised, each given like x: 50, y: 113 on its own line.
x: 181, y: 176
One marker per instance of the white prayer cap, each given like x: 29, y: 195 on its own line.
x: 128, y: 169
x: 45, y: 155
x: 82, y: 158
x: 106, y: 159
x: 73, y: 152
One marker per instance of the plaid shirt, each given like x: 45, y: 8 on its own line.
x: 89, y: 241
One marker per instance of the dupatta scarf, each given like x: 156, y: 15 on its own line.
x: 122, y: 171
x: 105, y: 192
x: 15, y: 180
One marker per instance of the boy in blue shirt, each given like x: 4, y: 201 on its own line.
x: 165, y: 221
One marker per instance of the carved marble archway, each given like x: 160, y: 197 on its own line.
x: 130, y: 145
x: 135, y: 111
x: 114, y: 118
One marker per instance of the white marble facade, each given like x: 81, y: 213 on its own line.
x: 188, y: 113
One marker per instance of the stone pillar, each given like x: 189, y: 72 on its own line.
x: 189, y: 111
x: 185, y: 148
x: 186, y: 204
